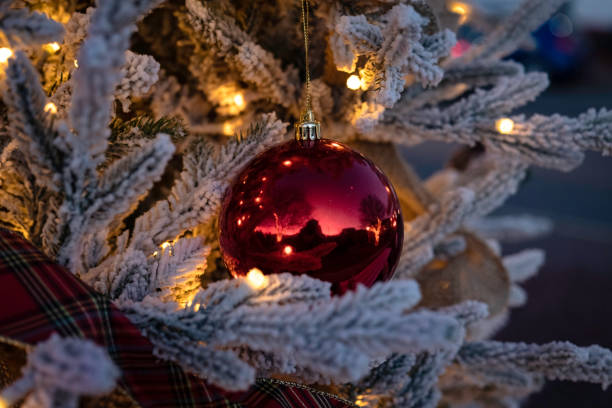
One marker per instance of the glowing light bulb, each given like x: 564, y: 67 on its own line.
x: 361, y: 401
x: 504, y: 125
x: 5, y: 54
x: 460, y: 8
x: 228, y: 129
x: 50, y: 108
x: 3, y: 403
x: 76, y: 63
x: 256, y: 278
x: 52, y: 47
x: 166, y: 244
x: 288, y: 250
x: 287, y: 163
x: 353, y: 82
x: 239, y: 100
x: 196, y: 307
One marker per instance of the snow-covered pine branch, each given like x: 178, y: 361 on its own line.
x: 196, y: 195
x: 338, y: 340
x: 554, y: 361
x: 60, y: 370
x: 101, y: 58
x: 20, y: 27
x: 256, y: 65
x: 511, y: 228
x: 507, y: 37
x: 30, y: 126
x: 395, y: 45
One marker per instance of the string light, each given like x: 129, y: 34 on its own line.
x: 196, y: 307
x: 228, y: 129
x: 353, y: 82
x: 239, y: 100
x: 256, y: 278
x: 288, y: 250
x: 5, y: 54
x: 504, y: 125
x: 362, y: 401
x: 52, y: 47
x: 76, y: 63
x: 460, y: 8
x: 50, y: 108
x: 229, y: 98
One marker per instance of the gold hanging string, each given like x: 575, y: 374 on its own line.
x: 305, y: 13
x: 307, y: 128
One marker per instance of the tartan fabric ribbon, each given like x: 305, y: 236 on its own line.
x: 39, y: 297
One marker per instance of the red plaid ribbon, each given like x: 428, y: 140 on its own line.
x: 38, y: 297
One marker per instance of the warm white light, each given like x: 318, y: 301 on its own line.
x: 353, y: 82
x: 460, y: 8
x: 50, y: 108
x: 504, y: 125
x: 229, y: 98
x: 51, y: 47
x: 287, y: 163
x: 239, y: 100
x: 76, y: 63
x: 166, y: 244
x: 256, y: 278
x: 3, y: 403
x: 196, y: 307
x: 228, y: 129
x: 362, y: 401
x: 288, y: 250
x: 5, y: 54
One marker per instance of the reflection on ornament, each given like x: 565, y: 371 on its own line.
x: 353, y: 82
x: 312, y: 207
x: 256, y: 278
x: 5, y: 54
x: 504, y: 125
x: 51, y: 47
x: 50, y: 108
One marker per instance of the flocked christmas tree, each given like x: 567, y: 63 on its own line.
x: 124, y: 122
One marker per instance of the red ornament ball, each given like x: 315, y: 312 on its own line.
x: 312, y: 207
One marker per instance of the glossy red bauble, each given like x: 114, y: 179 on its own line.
x: 312, y: 207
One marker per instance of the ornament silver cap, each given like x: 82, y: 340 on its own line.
x: 308, y: 128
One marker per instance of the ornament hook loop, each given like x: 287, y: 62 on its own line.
x: 308, y: 128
